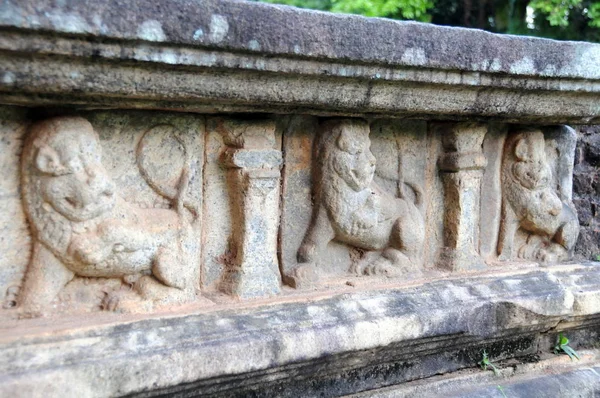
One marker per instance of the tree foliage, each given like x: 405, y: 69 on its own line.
x: 399, y: 9
x: 559, y: 19
x: 556, y: 11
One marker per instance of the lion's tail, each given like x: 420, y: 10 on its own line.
x: 180, y: 199
x: 416, y: 190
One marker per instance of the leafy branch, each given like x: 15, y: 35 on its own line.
x: 562, y: 344
x: 485, y: 363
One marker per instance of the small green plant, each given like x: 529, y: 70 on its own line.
x: 562, y: 344
x: 597, y: 257
x: 485, y: 363
x: 501, y: 390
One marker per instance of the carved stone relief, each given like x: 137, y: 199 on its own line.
x: 461, y: 167
x: 491, y: 191
x: 254, y: 179
x: 15, y: 238
x: 351, y: 208
x: 83, y: 228
x: 304, y: 200
x: 539, y: 222
x: 242, y: 188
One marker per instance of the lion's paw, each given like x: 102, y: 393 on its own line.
x: 120, y: 300
x: 306, y: 253
x: 551, y: 254
x: 303, y: 276
x: 383, y: 267
x: 110, y: 302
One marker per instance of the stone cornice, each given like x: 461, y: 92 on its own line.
x: 216, y: 56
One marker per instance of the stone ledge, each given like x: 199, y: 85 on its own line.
x: 292, y: 61
x: 553, y: 376
x: 279, y: 30
x: 344, y: 334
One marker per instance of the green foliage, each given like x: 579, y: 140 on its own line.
x: 556, y: 11
x: 501, y: 390
x: 399, y: 9
x: 485, y: 363
x: 562, y: 344
x: 594, y: 15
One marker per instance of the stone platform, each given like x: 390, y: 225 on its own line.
x: 228, y: 198
x: 550, y: 377
x: 308, y: 345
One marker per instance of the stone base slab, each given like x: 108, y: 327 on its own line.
x: 351, y: 342
x: 553, y: 376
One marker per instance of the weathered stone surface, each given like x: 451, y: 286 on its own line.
x: 397, y: 147
x: 82, y: 228
x: 552, y: 377
x: 411, y: 184
x: 232, y: 25
x: 352, y: 209
x: 12, y: 217
x: 537, y: 196
x: 253, y: 179
x: 353, y: 341
x: 223, y: 217
x: 385, y: 67
x: 586, y: 192
x: 151, y: 155
x: 461, y: 166
x: 491, y: 190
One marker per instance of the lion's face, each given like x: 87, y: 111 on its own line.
x: 72, y: 179
x: 352, y: 157
x: 532, y: 170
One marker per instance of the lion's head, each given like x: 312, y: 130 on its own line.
x: 531, y: 169
x: 345, y: 149
x: 64, y: 180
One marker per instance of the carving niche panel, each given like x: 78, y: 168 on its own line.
x: 539, y: 220
x: 366, y: 199
x: 113, y: 203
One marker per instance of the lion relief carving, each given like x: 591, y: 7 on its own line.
x: 351, y: 208
x: 531, y: 203
x: 81, y: 227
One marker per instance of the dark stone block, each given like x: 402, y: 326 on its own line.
x: 584, y: 211
x: 584, y: 183
x: 588, y: 244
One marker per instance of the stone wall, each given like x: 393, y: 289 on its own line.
x: 227, y: 198
x: 586, y: 192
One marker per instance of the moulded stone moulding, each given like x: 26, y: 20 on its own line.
x: 235, y: 198
x: 285, y: 60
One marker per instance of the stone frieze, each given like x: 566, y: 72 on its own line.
x: 133, y: 211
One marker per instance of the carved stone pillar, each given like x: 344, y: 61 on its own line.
x: 461, y: 168
x: 253, y: 177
